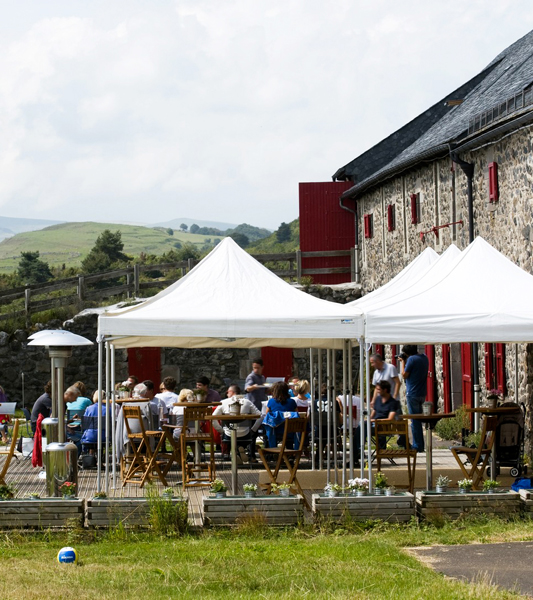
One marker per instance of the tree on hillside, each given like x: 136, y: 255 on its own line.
x: 170, y: 231
x: 194, y: 228
x: 187, y: 251
x: 241, y: 239
x: 106, y: 252
x: 32, y: 269
x: 184, y: 227
x: 283, y: 234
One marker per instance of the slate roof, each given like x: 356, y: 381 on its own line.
x: 428, y: 136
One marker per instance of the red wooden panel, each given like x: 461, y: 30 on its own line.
x: 277, y: 361
x: 489, y: 367
x: 447, y: 378
x: 466, y: 375
x: 493, y: 182
x: 501, y: 380
x: 379, y: 349
x: 145, y: 363
x: 414, y: 209
x: 394, y: 352
x: 431, y: 379
x: 324, y: 225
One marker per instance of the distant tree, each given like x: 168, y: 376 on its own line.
x: 216, y: 241
x: 194, y: 228
x: 170, y: 231
x: 283, y: 234
x: 32, y: 269
x: 106, y: 252
x: 177, y: 245
x: 187, y: 251
x: 241, y: 239
x: 184, y: 226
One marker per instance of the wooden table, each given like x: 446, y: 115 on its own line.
x: 494, y: 412
x: 430, y: 421
x: 231, y: 421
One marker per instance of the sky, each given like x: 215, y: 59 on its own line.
x: 150, y: 110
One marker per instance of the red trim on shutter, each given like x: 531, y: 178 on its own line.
x: 394, y: 352
x: 391, y: 217
x: 467, y: 387
x: 489, y: 367
x: 431, y: 380
x: 493, y: 182
x: 369, y: 229
x: 414, y: 209
x: 380, y: 349
x: 446, y: 378
x: 501, y: 381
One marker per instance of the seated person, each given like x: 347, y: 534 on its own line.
x: 90, y: 423
x: 82, y: 400
x: 168, y: 395
x: 75, y: 400
x: 42, y: 406
x: 280, y: 402
x: 185, y: 395
x: 244, y: 428
x: 302, y: 394
x: 209, y: 395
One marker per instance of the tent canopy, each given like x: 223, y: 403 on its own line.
x: 482, y: 297
x: 230, y: 300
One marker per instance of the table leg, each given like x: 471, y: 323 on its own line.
x: 429, y: 458
x: 493, y: 471
x: 234, y: 481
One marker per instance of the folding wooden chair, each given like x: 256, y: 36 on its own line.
x: 144, y: 460
x: 291, y: 458
x: 478, y: 457
x: 10, y: 452
x: 386, y: 428
x: 195, y: 473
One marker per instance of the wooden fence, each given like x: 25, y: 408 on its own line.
x: 130, y: 281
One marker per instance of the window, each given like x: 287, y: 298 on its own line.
x: 493, y: 182
x: 391, y: 217
x: 495, y: 368
x: 415, y: 208
x: 369, y: 226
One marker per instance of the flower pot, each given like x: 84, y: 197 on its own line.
x: 427, y: 408
x: 442, y: 489
x: 285, y: 493
x: 251, y: 494
x: 464, y: 490
x: 378, y: 491
x: 491, y: 491
x: 360, y: 493
x: 220, y: 494
x: 389, y: 492
x: 333, y: 493
x: 68, y: 497
x: 492, y: 402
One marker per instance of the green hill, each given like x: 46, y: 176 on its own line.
x: 69, y: 243
x: 270, y: 244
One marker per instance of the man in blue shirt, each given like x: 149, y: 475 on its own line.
x: 415, y: 373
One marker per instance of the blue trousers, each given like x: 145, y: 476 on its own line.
x: 414, y: 406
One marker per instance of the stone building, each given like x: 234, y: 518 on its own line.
x: 463, y: 168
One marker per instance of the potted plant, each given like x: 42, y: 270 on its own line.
x: 465, y: 485
x: 390, y: 491
x: 100, y: 496
x: 493, y: 397
x: 218, y: 487
x: 490, y: 486
x: 200, y: 395
x: 33, y: 496
x: 442, y: 483
x: 68, y: 489
x: 380, y: 483
x: 250, y: 490
x: 283, y: 489
x: 167, y: 493
x: 359, y: 486
x: 7, y: 492
x: 332, y: 489
x: 124, y: 391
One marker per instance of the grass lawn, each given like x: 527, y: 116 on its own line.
x: 329, y: 562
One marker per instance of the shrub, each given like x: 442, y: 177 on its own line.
x: 451, y: 429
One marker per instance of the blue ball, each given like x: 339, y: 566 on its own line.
x: 67, y: 555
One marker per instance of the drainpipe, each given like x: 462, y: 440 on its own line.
x: 468, y: 170
x: 356, y: 245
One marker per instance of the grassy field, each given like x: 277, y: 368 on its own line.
x: 255, y: 562
x: 69, y: 243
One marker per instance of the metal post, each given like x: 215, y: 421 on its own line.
x: 333, y: 407
x: 320, y: 441
x: 346, y: 415
x: 107, y: 415
x: 328, y: 396
x: 59, y: 364
x: 110, y: 399
x: 312, y: 406
x: 516, y: 397
x: 362, y: 411
x: 368, y: 423
x: 99, y: 433
x: 351, y: 395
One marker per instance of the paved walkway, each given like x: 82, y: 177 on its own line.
x: 507, y: 565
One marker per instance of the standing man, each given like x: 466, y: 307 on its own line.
x: 256, y: 393
x: 210, y: 395
x: 384, y: 372
x: 415, y: 373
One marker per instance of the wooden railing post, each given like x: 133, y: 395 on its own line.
x: 27, y: 299
x: 81, y: 287
x: 136, y: 279
x: 190, y: 263
x: 298, y: 265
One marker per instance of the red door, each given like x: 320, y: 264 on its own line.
x: 466, y: 377
x: 432, y: 381
x: 277, y: 361
x: 446, y: 378
x: 145, y: 363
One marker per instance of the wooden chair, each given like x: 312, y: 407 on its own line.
x: 387, y: 428
x: 291, y: 458
x: 144, y: 462
x: 202, y: 473
x: 9, y: 452
x: 478, y: 457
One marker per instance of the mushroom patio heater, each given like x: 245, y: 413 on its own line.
x: 60, y: 458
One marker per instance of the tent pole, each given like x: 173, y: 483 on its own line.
x: 346, y: 416
x: 107, y: 366
x: 362, y: 407
x: 368, y: 423
x: 328, y: 384
x: 110, y: 399
x: 516, y: 373
x: 312, y: 407
x: 351, y: 395
x: 320, y: 441
x: 100, y: 341
x: 334, y: 407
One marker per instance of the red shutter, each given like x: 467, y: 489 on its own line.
x: 432, y: 381
x: 145, y: 363
x: 368, y: 226
x: 489, y: 367
x: 493, y: 182
x: 466, y: 377
x: 414, y: 209
x: 394, y: 352
x: 380, y: 349
x: 501, y: 381
x: 391, y: 217
x: 278, y: 362
x: 446, y: 378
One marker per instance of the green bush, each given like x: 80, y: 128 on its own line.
x: 450, y: 429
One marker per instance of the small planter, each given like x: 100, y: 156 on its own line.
x: 69, y: 497
x: 270, y: 509
x: 396, y: 509
x: 129, y: 512
x: 250, y: 494
x: 379, y: 492
x: 41, y: 513
x: 464, y: 490
x: 220, y: 494
x: 285, y: 493
x: 441, y: 489
x: 453, y: 505
x: 360, y: 493
x: 389, y: 492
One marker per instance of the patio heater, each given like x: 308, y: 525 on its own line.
x: 60, y: 458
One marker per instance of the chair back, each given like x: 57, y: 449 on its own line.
x: 386, y: 427
x: 196, y: 413
x: 488, y: 433
x: 11, y: 451
x: 293, y: 426
x: 134, y: 413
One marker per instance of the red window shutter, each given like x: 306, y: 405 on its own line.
x: 446, y: 378
x: 466, y: 377
x: 391, y: 217
x: 368, y: 226
x: 501, y: 381
x: 414, y: 209
x: 394, y: 352
x: 493, y: 182
x: 489, y: 367
x: 431, y: 380
x: 380, y: 349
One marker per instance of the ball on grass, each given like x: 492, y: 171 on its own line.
x: 67, y: 555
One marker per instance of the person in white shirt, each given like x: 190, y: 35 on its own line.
x: 384, y: 372
x: 167, y: 395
